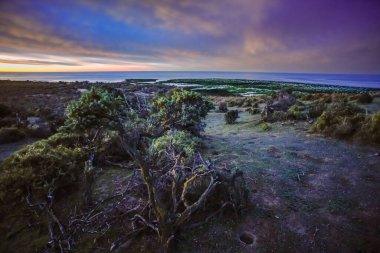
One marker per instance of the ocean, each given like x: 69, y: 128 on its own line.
x: 359, y: 80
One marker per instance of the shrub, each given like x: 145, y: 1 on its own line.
x: 266, y: 126
x: 340, y: 120
x: 339, y: 97
x: 347, y: 127
x: 231, y: 116
x: 316, y: 110
x: 93, y: 115
x: 182, y: 110
x: 96, y: 109
x: 222, y: 107
x: 232, y: 103
x: 8, y: 135
x: 253, y: 110
x: 70, y: 140
x: 279, y: 116
x: 370, y: 129
x: 295, y: 112
x: 38, y: 168
x: 363, y: 98
x: 181, y: 141
x: 5, y: 111
x: 247, y: 103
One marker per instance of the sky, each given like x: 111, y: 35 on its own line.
x: 312, y: 36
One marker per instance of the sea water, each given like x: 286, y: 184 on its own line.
x: 357, y: 80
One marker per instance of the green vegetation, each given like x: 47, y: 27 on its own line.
x: 370, y: 129
x: 151, y: 180
x: 363, y: 98
x: 345, y: 120
x: 231, y: 116
x: 265, y: 126
x: 182, y: 110
x: 175, y: 184
x: 253, y: 110
x: 95, y: 111
x: 181, y: 142
x: 42, y: 168
x: 296, y: 112
x: 222, y: 107
x: 254, y: 87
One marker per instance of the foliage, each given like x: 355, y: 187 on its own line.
x: 96, y: 109
x: 363, y: 98
x: 70, y: 140
x: 295, y: 112
x: 39, y: 168
x: 181, y: 142
x: 340, y: 119
x: 316, y: 109
x: 370, y: 129
x: 182, y: 110
x: 95, y: 113
x: 253, y: 110
x: 249, y: 87
x: 8, y: 135
x: 279, y: 116
x: 222, y: 107
x: 231, y: 116
x: 266, y: 126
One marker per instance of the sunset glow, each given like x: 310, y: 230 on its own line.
x: 279, y: 36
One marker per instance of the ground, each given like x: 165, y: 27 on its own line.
x: 308, y: 193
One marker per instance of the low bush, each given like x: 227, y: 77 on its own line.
x: 296, y: 112
x: 316, y: 110
x: 222, y: 107
x: 247, y: 103
x: 253, y: 110
x: 369, y: 132
x: 363, y: 98
x: 40, y: 168
x: 181, y: 141
x: 279, y: 116
x: 340, y: 120
x: 339, y: 97
x: 231, y: 116
x: 181, y: 110
x: 69, y: 140
x: 266, y: 126
x: 9, y: 135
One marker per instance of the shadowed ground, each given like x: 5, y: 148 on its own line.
x: 309, y: 193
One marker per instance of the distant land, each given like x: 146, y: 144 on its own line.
x: 351, y: 80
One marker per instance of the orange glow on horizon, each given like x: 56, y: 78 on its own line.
x: 15, y: 69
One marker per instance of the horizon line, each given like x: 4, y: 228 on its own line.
x: 120, y: 71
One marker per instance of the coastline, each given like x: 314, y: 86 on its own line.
x: 350, y: 80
